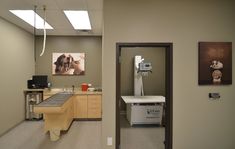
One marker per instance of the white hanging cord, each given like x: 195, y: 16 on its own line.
x: 44, y: 32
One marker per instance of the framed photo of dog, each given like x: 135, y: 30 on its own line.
x: 68, y: 63
x: 215, y: 63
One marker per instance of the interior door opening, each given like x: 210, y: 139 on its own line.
x: 144, y: 95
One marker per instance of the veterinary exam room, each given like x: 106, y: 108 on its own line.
x: 117, y: 74
x: 142, y: 97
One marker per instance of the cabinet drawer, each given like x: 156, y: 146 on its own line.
x: 94, y: 106
x: 94, y: 99
x: 94, y: 113
x: 94, y: 103
x: 80, y: 106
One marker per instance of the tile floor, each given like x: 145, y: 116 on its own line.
x: 81, y: 135
x: 29, y: 135
x: 141, y: 137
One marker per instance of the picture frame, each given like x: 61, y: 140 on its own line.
x: 215, y: 63
x: 68, y: 64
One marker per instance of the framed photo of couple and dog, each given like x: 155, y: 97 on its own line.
x: 68, y: 63
x: 215, y: 63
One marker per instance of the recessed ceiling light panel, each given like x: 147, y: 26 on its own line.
x: 31, y: 18
x: 79, y: 19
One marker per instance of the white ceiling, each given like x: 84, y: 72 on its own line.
x: 54, y: 14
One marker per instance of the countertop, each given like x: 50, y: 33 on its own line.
x: 77, y: 91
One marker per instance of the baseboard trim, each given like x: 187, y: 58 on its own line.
x: 8, y: 130
x: 88, y: 119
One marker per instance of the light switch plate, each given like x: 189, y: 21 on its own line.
x: 109, y: 141
x: 214, y: 95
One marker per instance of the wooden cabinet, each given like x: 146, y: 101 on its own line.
x: 94, y: 106
x: 80, y: 106
x: 87, y: 106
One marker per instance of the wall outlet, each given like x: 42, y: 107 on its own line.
x: 109, y: 141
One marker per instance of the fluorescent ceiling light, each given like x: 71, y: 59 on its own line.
x: 28, y: 16
x: 79, y: 19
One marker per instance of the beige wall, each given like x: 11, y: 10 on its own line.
x: 198, y: 123
x: 91, y: 46
x: 154, y: 83
x: 17, y: 66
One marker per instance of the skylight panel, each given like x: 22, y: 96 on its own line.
x: 29, y: 16
x: 79, y: 19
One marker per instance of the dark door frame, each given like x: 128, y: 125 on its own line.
x: 168, y: 84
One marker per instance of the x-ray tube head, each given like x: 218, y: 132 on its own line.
x: 142, y: 68
x: 145, y: 67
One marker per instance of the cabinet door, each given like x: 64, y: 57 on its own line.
x: 80, y: 106
x: 94, y: 106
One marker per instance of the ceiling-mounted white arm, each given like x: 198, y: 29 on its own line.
x: 44, y: 32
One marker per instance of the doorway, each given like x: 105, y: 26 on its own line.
x: 168, y: 88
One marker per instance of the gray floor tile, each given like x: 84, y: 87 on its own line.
x: 29, y: 135
x: 141, y: 136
